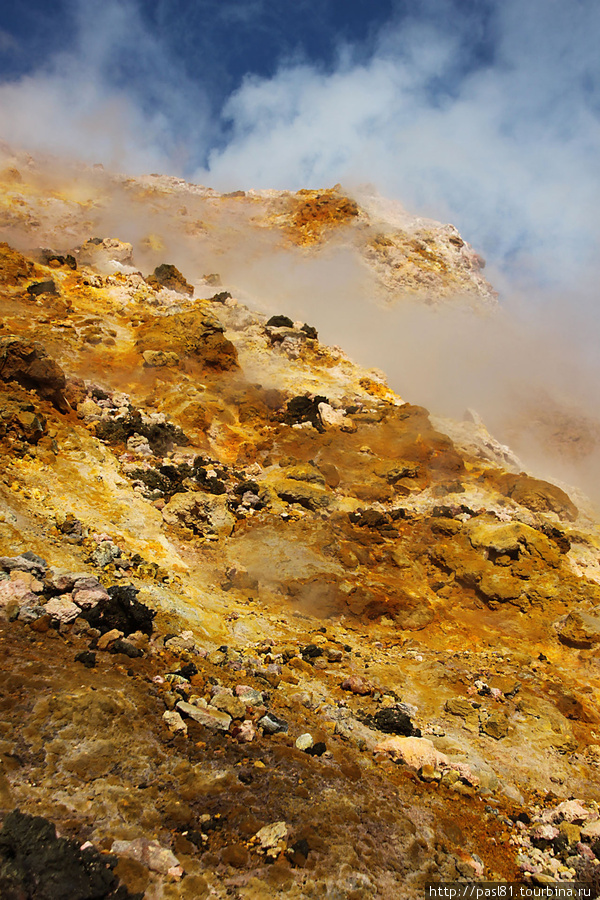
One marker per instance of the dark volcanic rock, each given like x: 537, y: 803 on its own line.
x: 393, y: 720
x: 305, y: 409
x: 36, y: 865
x: 272, y: 724
x: 42, y: 287
x: 169, y: 277
x: 280, y: 322
x: 28, y: 363
x: 161, y: 436
x: 123, y: 611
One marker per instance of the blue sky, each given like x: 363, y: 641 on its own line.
x: 485, y: 113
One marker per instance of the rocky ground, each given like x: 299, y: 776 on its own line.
x: 266, y: 628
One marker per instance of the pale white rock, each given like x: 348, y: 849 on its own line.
x: 209, y: 717
x: 330, y: 416
x: 545, y: 832
x: 181, y: 642
x: 304, y: 742
x: 570, y: 811
x: 591, y: 830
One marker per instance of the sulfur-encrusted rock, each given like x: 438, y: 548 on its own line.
x: 495, y: 725
x: 157, y: 359
x: 229, y: 704
x: 580, y: 629
x: 540, y: 496
x: 414, y: 752
x: 202, y: 513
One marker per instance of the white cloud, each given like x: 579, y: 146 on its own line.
x: 115, y: 97
x: 508, y: 152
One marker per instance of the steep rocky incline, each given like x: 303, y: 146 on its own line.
x: 267, y: 630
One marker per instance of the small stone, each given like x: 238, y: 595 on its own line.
x: 585, y: 851
x: 23, y: 563
x: 232, y: 705
x: 248, y: 695
x: 180, y: 643
x: 62, y: 608
x: 87, y: 657
x: 570, y: 811
x: 85, y: 583
x: 272, y: 838
x: 209, y: 717
x: 272, y: 724
x: 357, y: 685
x: 87, y: 599
x: 154, y: 359
x: 150, y: 853
x: 125, y: 647
x: 495, y: 725
x: 108, y: 638
x: 16, y: 590
x: 429, y: 773
x: 245, y: 732
x: 174, y: 722
x: 544, y: 833
x: 591, y: 830
x: 572, y: 833
x: 305, y: 741
x: 31, y: 614
x: 106, y: 552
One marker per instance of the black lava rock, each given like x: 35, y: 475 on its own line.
x: 42, y: 287
x: 126, y: 648
x: 123, y: 611
x: 188, y: 671
x: 305, y: 409
x: 310, y: 332
x: 311, y: 651
x: 393, y: 720
x: 317, y: 749
x: 87, y: 657
x: 280, y: 322
x: 161, y: 436
x: 36, y: 865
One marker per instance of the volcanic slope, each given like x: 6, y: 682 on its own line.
x: 265, y: 630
